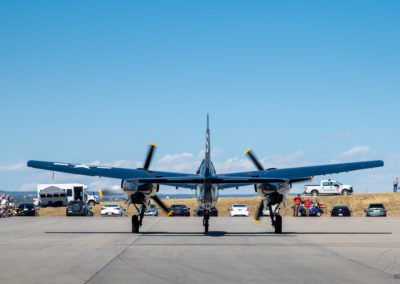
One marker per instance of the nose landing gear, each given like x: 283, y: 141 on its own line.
x: 205, y: 220
x: 137, y: 220
x: 276, y: 219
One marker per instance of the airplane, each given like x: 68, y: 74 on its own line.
x: 142, y: 184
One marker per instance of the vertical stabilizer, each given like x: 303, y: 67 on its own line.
x: 207, y: 152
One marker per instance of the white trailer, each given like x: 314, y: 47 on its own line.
x: 62, y: 194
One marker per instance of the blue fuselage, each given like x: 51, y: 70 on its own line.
x: 207, y: 193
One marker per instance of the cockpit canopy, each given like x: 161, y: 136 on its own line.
x: 201, y: 168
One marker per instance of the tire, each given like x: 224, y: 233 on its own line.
x: 91, y: 203
x: 278, y: 224
x: 318, y: 214
x: 135, y: 224
x: 314, y: 193
x: 345, y: 192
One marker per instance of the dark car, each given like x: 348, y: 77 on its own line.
x: 78, y: 208
x: 27, y: 209
x: 375, y: 210
x: 341, y: 211
x: 179, y: 210
x: 200, y: 211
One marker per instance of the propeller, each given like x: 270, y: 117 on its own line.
x: 149, y: 156
x: 254, y: 159
x: 259, y: 212
x: 258, y: 165
x: 147, y: 162
x: 109, y: 190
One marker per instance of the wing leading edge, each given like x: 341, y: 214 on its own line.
x: 304, y: 172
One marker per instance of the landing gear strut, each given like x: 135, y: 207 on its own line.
x: 276, y: 219
x: 137, y: 220
x: 205, y: 220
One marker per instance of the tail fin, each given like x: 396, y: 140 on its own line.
x: 207, y: 153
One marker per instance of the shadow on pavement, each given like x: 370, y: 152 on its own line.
x: 224, y: 233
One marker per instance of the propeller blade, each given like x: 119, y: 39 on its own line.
x: 254, y: 159
x: 149, y: 156
x: 161, y: 204
x: 110, y: 190
x: 259, y: 212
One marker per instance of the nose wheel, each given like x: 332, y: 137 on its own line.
x: 276, y: 219
x: 137, y: 220
x: 205, y: 220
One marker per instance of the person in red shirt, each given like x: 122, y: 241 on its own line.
x: 307, y: 206
x: 297, y: 202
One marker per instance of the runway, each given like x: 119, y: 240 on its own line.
x: 174, y: 250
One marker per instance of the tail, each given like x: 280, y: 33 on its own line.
x: 207, y: 160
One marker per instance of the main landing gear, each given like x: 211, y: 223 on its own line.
x: 137, y: 220
x: 276, y: 219
x: 205, y: 220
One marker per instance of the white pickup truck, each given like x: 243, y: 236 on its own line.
x: 328, y: 186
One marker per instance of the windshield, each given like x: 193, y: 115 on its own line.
x: 26, y: 205
x: 239, y: 205
x: 178, y: 206
x: 111, y: 205
x: 152, y: 206
x: 340, y: 207
x: 376, y: 206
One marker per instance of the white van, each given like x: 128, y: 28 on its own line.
x: 62, y: 194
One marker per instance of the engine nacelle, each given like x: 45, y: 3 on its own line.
x: 264, y: 189
x: 149, y: 189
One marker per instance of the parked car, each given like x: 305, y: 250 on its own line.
x: 151, y: 211
x: 200, y: 211
x: 341, y: 211
x: 328, y: 186
x: 78, y: 208
x: 112, y: 210
x: 179, y: 210
x: 375, y: 210
x: 239, y: 210
x: 27, y: 209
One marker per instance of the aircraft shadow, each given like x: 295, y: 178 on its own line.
x: 224, y: 233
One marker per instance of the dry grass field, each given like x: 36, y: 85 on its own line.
x: 356, y: 202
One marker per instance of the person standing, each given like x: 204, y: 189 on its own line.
x: 297, y: 203
x: 307, y: 205
x: 395, y: 184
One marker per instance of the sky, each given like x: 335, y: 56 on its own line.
x: 299, y: 82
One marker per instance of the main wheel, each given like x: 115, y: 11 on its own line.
x: 206, y: 226
x: 318, y: 214
x: 135, y: 224
x: 91, y: 203
x: 345, y: 192
x: 314, y: 193
x: 278, y: 224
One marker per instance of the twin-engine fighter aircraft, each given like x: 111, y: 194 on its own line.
x: 142, y: 184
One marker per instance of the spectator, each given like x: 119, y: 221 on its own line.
x: 297, y: 203
x: 395, y: 184
x: 4, y: 202
x: 307, y: 205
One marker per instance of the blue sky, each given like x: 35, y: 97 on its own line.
x: 300, y: 82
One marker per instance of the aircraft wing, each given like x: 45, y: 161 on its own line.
x: 297, y: 174
x: 201, y: 180
x: 101, y: 171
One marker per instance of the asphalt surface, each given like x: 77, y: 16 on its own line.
x: 174, y: 250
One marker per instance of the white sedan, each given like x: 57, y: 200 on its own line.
x: 112, y: 209
x: 239, y: 210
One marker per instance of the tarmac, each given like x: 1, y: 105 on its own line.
x: 175, y: 250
